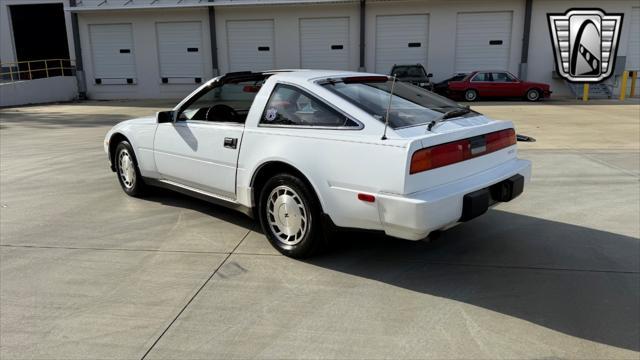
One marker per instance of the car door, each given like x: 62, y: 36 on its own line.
x: 483, y: 84
x: 199, y: 154
x: 200, y: 148
x: 504, y: 84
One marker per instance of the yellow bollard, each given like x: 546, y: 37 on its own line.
x: 634, y: 77
x: 623, y: 85
x: 585, y: 92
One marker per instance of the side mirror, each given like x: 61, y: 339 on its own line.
x: 429, y: 75
x: 165, y: 117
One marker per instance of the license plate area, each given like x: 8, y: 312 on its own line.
x: 477, y: 145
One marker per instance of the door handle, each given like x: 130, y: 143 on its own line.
x: 230, y: 143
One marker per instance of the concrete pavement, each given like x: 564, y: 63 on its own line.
x: 87, y: 272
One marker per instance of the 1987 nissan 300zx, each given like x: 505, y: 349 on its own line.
x: 305, y: 151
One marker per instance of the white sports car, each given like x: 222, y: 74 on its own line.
x: 307, y: 151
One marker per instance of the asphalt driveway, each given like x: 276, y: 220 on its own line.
x: 87, y: 272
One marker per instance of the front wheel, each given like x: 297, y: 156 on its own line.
x: 289, y: 213
x: 533, y: 95
x: 127, y: 170
x: 471, y: 95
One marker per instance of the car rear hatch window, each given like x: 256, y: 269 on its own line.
x: 410, y: 105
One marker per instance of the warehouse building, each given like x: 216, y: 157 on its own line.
x: 164, y: 48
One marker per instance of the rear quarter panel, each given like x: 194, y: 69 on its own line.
x: 337, y: 165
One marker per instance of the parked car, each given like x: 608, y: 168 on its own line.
x: 442, y: 87
x: 497, y: 84
x: 310, y: 151
x: 414, y: 74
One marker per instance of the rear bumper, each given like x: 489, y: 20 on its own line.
x: 414, y: 216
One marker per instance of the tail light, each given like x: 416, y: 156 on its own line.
x: 460, y: 150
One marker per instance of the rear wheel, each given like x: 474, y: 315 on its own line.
x: 471, y: 95
x: 127, y: 170
x: 289, y: 213
x: 533, y: 95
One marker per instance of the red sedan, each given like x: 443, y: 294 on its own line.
x: 497, y: 84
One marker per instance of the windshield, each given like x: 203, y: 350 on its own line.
x: 410, y: 105
x: 408, y: 71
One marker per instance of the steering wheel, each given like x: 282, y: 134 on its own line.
x: 221, y: 112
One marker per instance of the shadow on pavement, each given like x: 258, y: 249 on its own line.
x: 572, y: 279
x: 175, y: 199
x: 48, y: 120
x: 575, y: 280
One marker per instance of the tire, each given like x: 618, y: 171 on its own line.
x: 532, y: 95
x: 471, y: 95
x: 289, y: 214
x: 127, y: 170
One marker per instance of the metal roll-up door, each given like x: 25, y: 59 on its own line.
x: 401, y: 39
x: 112, y: 53
x: 324, y: 43
x: 250, y: 45
x: 483, y: 41
x: 180, y: 51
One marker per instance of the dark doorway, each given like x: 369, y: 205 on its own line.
x: 39, y: 33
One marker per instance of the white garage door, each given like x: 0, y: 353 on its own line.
x: 112, y: 53
x: 633, y: 51
x: 401, y: 39
x: 483, y: 41
x: 250, y: 45
x: 180, y: 51
x: 324, y: 43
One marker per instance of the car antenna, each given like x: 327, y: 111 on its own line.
x: 386, y: 118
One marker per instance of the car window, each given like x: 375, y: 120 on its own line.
x: 228, y: 103
x: 408, y: 71
x: 289, y: 105
x: 482, y: 77
x: 502, y: 77
x: 410, y: 105
x: 459, y: 77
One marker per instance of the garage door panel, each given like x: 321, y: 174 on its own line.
x: 401, y: 39
x: 324, y: 43
x: 250, y: 45
x: 180, y: 49
x: 475, y: 33
x: 112, y: 51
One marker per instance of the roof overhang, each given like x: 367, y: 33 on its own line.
x: 119, y: 5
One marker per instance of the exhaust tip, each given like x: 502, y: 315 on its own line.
x: 525, y: 138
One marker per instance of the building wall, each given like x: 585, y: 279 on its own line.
x: 441, y: 44
x: 442, y: 29
x: 286, y: 23
x: 541, y: 62
x: 148, y: 81
x: 38, y: 91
